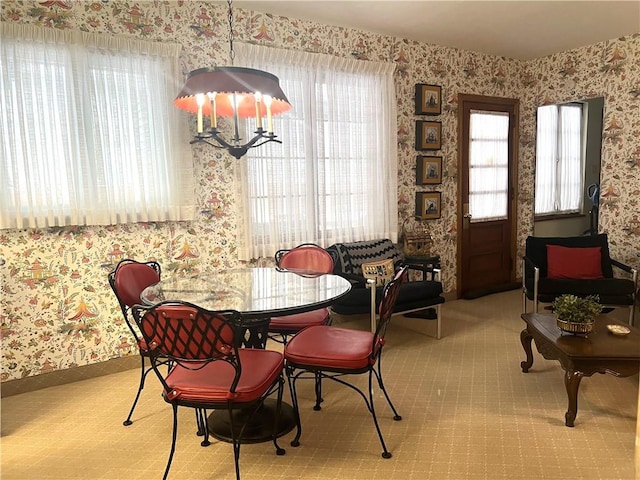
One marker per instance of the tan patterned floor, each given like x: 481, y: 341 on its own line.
x: 468, y: 413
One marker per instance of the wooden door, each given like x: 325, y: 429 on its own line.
x: 488, y: 151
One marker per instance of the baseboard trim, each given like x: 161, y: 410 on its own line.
x: 70, y: 375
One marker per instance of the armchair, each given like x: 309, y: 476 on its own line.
x: 413, y: 296
x: 581, y: 266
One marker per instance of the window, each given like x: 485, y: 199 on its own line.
x: 488, y: 165
x: 559, y: 159
x: 334, y: 178
x: 89, y: 132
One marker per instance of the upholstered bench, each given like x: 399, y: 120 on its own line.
x: 413, y: 296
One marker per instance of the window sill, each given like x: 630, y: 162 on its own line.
x: 557, y: 216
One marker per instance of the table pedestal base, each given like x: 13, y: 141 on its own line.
x: 260, y: 427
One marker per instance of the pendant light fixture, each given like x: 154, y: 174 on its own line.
x: 232, y: 92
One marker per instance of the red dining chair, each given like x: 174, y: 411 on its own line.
x: 306, y: 259
x: 311, y: 260
x: 209, y: 368
x: 334, y: 352
x: 127, y: 281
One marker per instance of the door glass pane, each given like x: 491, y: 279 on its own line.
x: 488, y: 165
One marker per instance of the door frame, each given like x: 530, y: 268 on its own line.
x: 464, y: 98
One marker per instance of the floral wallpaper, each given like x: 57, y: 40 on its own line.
x: 58, y: 311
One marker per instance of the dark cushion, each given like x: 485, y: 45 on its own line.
x: 612, y: 291
x: 574, y: 262
x: 536, y: 251
x: 412, y: 295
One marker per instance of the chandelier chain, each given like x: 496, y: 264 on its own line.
x: 232, y: 53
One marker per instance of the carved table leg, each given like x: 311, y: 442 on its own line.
x: 572, y: 383
x: 525, y: 339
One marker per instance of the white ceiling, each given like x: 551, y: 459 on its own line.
x: 514, y: 29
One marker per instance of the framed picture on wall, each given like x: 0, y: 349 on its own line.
x: 428, y: 205
x: 428, y: 135
x: 428, y: 99
x: 428, y: 170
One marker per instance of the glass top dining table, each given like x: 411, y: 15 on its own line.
x: 258, y: 294
x: 254, y: 292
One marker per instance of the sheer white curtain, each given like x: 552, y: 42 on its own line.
x: 559, y: 171
x: 334, y: 178
x: 488, y: 165
x: 570, y: 152
x: 89, y: 131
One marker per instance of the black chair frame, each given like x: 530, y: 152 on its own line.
x: 144, y: 370
x: 535, y: 285
x: 297, y: 371
x: 217, y: 336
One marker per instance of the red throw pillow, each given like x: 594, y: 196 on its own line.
x: 574, y: 262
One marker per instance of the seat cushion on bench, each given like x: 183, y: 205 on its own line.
x: 412, y: 295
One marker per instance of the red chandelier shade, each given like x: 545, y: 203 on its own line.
x: 224, y: 82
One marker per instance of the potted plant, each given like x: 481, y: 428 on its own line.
x: 576, y: 314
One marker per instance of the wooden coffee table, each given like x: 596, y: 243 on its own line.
x: 580, y: 356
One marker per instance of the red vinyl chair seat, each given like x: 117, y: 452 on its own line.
x: 331, y: 348
x: 295, y: 323
x: 210, y: 384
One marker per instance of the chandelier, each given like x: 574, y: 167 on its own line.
x: 232, y: 92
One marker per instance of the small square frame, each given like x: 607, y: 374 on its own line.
x: 428, y: 205
x: 428, y: 135
x: 428, y: 170
x: 428, y: 99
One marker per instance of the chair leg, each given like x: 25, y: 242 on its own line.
x: 378, y: 373
x: 235, y: 441
x: 439, y: 323
x: 173, y: 441
x: 276, y: 421
x: 318, y: 390
x: 203, y: 429
x: 385, y: 453
x: 143, y: 375
x: 291, y: 379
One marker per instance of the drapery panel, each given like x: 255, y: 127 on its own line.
x: 90, y: 135
x: 334, y: 177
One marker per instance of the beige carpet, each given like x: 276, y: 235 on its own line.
x: 468, y: 413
